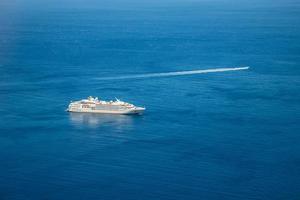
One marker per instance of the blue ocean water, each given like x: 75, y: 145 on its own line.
x: 231, y: 135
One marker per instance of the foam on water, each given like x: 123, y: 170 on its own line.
x: 178, y: 73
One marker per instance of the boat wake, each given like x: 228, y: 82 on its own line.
x: 179, y: 73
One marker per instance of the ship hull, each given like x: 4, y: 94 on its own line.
x: 119, y: 112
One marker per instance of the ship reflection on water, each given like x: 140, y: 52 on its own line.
x: 92, y: 120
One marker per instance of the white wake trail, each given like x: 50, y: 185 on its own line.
x: 180, y: 73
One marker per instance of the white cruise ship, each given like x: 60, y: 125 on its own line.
x: 95, y: 105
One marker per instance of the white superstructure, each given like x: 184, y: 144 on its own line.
x: 94, y: 105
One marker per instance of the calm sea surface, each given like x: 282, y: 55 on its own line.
x: 228, y: 135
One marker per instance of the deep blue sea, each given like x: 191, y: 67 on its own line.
x: 227, y: 135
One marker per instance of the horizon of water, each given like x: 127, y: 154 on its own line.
x: 226, y: 135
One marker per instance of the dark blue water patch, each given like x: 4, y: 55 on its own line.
x: 115, y: 89
x: 193, y: 94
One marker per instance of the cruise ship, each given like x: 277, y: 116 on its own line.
x: 95, y: 105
